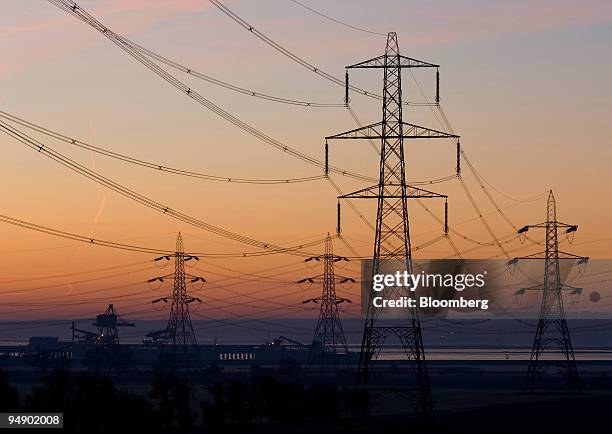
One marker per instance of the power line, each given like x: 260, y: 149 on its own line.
x: 148, y: 164
x: 120, y: 246
x: 81, y: 238
x: 224, y: 84
x: 78, y: 273
x: 446, y: 126
x: 75, y: 10
x: 73, y: 7
x: 294, y: 57
x: 327, y: 17
x: 54, y: 306
x: 94, y: 279
x: 124, y: 191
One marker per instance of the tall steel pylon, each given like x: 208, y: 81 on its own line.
x: 328, y: 342
x: 179, y: 344
x: 392, y: 239
x: 552, y: 327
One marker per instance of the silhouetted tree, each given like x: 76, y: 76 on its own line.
x: 52, y: 396
x: 240, y: 400
x: 174, y: 396
x: 136, y: 414
x: 92, y: 404
x: 9, y: 396
x: 266, y: 400
x: 215, y: 413
x: 276, y: 401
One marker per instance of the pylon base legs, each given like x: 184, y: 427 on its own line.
x: 418, y: 392
x: 552, y: 333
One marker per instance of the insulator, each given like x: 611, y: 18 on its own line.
x: 458, y: 158
x: 446, y: 217
x: 346, y: 88
x: 338, y: 228
x: 326, y: 158
x: 437, y: 86
x: 523, y: 229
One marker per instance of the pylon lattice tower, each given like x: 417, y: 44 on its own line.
x: 328, y: 342
x: 178, y: 340
x: 392, y: 239
x: 552, y: 329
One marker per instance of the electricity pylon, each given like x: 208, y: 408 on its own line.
x: 552, y: 325
x: 179, y: 344
x: 392, y: 239
x: 328, y: 342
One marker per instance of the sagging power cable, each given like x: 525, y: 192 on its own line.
x: 268, y: 248
x: 75, y: 10
x: 150, y: 165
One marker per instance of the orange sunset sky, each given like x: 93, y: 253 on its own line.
x: 525, y: 84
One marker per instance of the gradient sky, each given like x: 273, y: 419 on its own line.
x: 525, y: 83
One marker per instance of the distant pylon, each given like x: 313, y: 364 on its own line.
x: 392, y: 239
x: 179, y: 343
x: 328, y: 343
x: 552, y: 326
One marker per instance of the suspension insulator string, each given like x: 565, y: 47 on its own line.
x: 458, y: 158
x: 326, y: 158
x: 446, y: 217
x: 437, y: 86
x: 346, y: 88
x: 338, y: 228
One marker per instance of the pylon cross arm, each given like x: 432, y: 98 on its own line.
x: 541, y: 287
x: 545, y: 225
x: 374, y: 193
x: 383, y: 61
x: 562, y: 255
x: 412, y: 131
x: 408, y: 131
